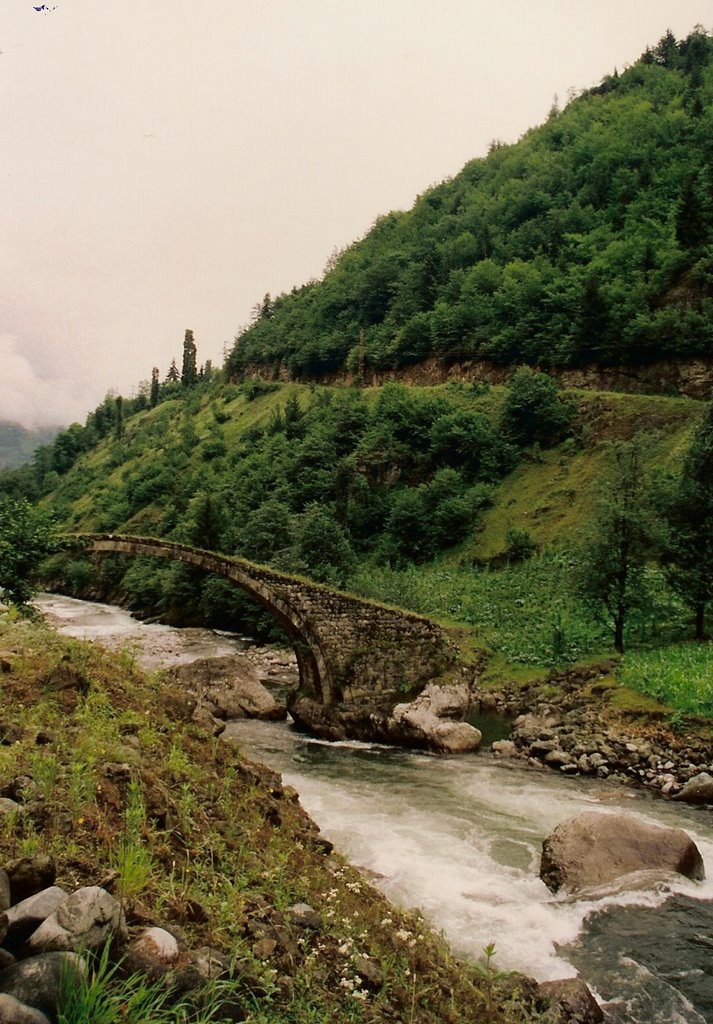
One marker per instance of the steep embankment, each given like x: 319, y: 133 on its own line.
x: 119, y: 782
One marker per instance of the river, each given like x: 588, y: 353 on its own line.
x: 461, y: 839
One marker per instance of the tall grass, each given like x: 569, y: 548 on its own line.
x: 529, y: 611
x: 680, y: 675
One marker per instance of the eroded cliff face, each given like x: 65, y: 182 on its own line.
x: 688, y: 378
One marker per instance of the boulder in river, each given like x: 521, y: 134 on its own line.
x: 435, y: 720
x: 231, y: 686
x: 593, y: 849
x: 698, y: 790
x: 572, y: 1001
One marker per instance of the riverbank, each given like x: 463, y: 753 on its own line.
x: 582, y: 722
x: 578, y: 721
x: 114, y: 782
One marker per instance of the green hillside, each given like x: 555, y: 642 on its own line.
x: 590, y: 240
x: 460, y: 501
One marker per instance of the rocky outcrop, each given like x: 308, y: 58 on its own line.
x: 36, y: 969
x: 592, y: 849
x: 566, y: 723
x: 435, y: 720
x: 228, y: 687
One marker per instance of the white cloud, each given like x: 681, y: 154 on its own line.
x: 30, y: 400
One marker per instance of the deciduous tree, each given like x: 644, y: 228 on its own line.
x: 688, y: 544
x: 26, y: 538
x: 613, y: 562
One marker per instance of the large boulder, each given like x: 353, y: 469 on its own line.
x: 230, y: 686
x: 594, y: 849
x: 435, y: 720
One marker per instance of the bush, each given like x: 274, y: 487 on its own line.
x: 533, y: 410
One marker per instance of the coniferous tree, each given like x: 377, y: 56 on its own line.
x: 119, y: 425
x: 189, y: 371
x: 154, y: 392
x: 691, y: 226
x: 173, y: 375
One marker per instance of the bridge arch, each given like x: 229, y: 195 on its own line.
x: 356, y: 658
x: 312, y: 663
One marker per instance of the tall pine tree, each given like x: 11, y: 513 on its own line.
x: 189, y: 371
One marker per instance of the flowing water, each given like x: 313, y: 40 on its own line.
x: 461, y: 839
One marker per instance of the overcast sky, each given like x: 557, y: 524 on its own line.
x: 166, y: 163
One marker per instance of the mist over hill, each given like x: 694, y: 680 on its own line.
x: 17, y: 445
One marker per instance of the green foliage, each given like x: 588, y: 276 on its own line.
x: 534, y: 411
x: 26, y: 538
x: 102, y: 996
x: 321, y: 548
x: 520, y: 544
x: 687, y: 505
x: 612, y: 569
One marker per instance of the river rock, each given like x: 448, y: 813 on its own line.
x: 23, y: 918
x: 698, y: 790
x: 231, y: 685
x: 573, y: 1001
x: 37, y: 982
x: 593, y: 849
x: 85, y: 920
x: 159, y: 943
x: 430, y: 720
x: 504, y: 748
x: 12, y: 1011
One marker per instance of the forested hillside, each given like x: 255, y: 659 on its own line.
x: 590, y: 240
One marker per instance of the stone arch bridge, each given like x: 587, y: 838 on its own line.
x: 356, y: 658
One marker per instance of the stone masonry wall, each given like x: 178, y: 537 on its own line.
x: 350, y: 651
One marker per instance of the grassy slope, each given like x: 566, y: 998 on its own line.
x: 121, y: 787
x: 552, y: 495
